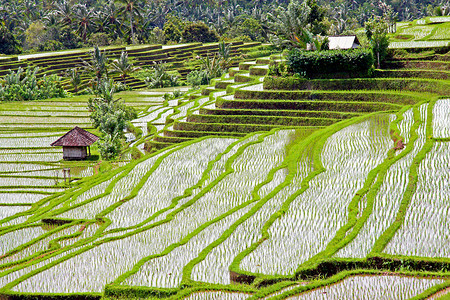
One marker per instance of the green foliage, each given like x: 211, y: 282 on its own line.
x: 160, y: 78
x: 199, y: 32
x: 251, y: 28
x: 99, y: 39
x: 173, y: 28
x: 110, y: 116
x: 197, y: 78
x: 123, y: 66
x: 35, y: 35
x: 50, y: 45
x: 8, y: 43
x: 74, y: 76
x: 97, y: 64
x: 356, y: 62
x: 25, y: 85
x: 376, y: 32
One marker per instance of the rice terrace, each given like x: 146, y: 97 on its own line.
x: 224, y: 150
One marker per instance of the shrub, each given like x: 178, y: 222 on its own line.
x: 355, y: 63
x: 51, y: 45
x: 199, y: 32
x: 8, y: 43
x: 173, y: 28
x: 197, y: 78
x: 99, y: 39
x: 24, y: 85
x: 160, y: 78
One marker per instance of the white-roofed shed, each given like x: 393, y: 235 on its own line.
x: 343, y: 42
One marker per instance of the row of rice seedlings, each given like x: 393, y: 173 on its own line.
x: 439, y: 19
x: 42, y: 120
x: 441, y: 33
x: 44, y: 105
x: 176, y: 173
x: 215, y: 267
x: 387, y: 200
x: 212, y: 295
x: 70, y: 114
x: 163, y: 116
x: 23, y: 167
x: 315, y: 215
x: 425, y: 230
x: 122, y: 188
x: 27, y: 181
x: 21, y: 142
x: 34, y: 126
x: 417, y: 44
x: 22, y: 134
x: 382, y: 287
x: 9, y: 275
x: 167, y: 271
x: 40, y: 245
x: 11, y: 198
x: 31, y: 157
x: 405, y: 125
x: 183, y: 110
x: 418, y: 32
x: 441, y: 122
x: 14, y: 239
x: 152, y: 115
x: 10, y: 151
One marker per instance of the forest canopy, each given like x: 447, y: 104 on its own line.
x: 46, y: 25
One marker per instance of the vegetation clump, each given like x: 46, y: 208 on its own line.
x: 24, y: 84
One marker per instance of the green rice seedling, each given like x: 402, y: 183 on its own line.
x: 382, y: 287
x: 441, y: 124
x: 41, y: 120
x: 424, y: 231
x: 315, y: 215
x: 167, y: 271
x: 387, y: 201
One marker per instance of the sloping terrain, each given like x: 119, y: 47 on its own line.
x: 319, y: 189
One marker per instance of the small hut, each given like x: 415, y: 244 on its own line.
x: 76, y: 144
x: 343, y: 42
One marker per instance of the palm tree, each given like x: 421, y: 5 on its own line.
x: 97, y: 64
x: 290, y: 25
x: 83, y: 17
x: 123, y: 66
x: 74, y: 76
x: 64, y: 11
x: 131, y: 9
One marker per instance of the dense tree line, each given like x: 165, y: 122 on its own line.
x: 65, y: 24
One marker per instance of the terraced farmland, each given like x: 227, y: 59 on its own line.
x: 256, y: 187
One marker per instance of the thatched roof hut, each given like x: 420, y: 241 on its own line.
x: 76, y: 144
x: 343, y: 42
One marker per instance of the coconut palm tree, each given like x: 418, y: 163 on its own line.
x: 132, y: 9
x: 97, y: 64
x: 83, y: 20
x: 123, y: 66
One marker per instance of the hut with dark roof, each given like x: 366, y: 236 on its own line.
x: 76, y: 144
